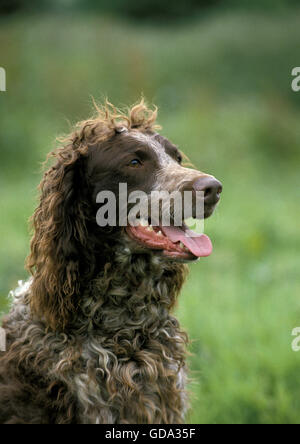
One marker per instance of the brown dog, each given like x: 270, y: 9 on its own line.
x: 90, y: 337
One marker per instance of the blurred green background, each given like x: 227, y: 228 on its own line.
x: 220, y: 73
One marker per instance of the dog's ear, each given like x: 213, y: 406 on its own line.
x: 60, y: 255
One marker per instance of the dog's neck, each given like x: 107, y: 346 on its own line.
x: 129, y: 288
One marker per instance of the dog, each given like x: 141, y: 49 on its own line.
x: 90, y: 337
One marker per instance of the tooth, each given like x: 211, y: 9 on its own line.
x: 181, y: 245
x: 159, y: 233
x: 150, y: 228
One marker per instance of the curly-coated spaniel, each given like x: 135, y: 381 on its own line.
x: 90, y: 338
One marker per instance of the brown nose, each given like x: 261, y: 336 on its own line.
x: 211, y: 187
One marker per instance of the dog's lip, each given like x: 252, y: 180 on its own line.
x: 176, y: 242
x: 182, y: 256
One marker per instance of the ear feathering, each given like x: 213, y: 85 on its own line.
x: 61, y: 256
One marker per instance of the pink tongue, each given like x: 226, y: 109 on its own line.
x: 198, y: 244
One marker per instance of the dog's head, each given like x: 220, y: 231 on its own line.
x: 145, y: 169
x: 88, y: 198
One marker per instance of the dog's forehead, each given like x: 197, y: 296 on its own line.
x: 157, y: 143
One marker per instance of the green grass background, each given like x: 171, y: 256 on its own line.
x: 223, y: 87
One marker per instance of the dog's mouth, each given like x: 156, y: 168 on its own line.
x: 179, y: 243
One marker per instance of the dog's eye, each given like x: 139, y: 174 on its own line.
x: 135, y: 163
x: 179, y: 158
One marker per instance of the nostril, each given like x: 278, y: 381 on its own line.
x: 207, y: 192
x: 218, y: 192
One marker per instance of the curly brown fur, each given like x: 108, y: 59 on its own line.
x: 62, y: 249
x: 121, y: 361
x: 91, y: 337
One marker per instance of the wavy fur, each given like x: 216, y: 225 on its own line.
x: 91, y: 337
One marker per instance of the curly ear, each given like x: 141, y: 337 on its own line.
x: 59, y: 248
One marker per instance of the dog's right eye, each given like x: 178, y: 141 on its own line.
x: 135, y: 163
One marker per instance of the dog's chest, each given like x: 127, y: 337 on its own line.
x: 138, y: 389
